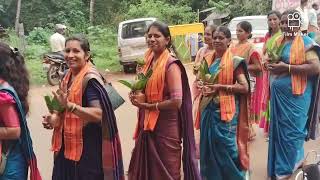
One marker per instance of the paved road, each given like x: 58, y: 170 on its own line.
x: 126, y: 116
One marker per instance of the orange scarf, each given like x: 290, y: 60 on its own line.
x: 243, y: 50
x: 155, y: 85
x: 227, y: 100
x: 297, y: 57
x: 207, y: 54
x: 72, y: 125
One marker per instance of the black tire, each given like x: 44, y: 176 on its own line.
x: 53, y: 75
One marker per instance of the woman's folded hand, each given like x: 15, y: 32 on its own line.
x: 51, y: 120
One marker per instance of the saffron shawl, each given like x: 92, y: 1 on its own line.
x: 314, y: 111
x: 155, y: 85
x: 227, y: 104
x: 111, y: 147
x: 297, y: 57
x: 245, y: 50
x: 143, y: 136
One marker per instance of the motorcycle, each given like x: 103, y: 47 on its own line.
x: 55, y: 66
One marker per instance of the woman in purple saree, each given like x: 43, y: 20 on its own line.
x: 166, y: 118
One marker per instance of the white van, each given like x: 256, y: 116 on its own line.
x: 132, y: 41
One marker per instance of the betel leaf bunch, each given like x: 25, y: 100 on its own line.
x: 139, y: 83
x: 205, y: 76
x: 53, y: 104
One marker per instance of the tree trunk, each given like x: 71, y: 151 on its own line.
x: 92, y: 3
x: 18, y: 16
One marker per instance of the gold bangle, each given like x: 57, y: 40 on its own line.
x: 73, y: 108
x: 289, y: 68
x: 157, y: 106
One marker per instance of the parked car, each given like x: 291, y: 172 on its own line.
x: 259, y: 28
x: 132, y: 41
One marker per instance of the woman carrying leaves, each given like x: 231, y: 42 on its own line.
x: 85, y: 139
x: 15, y: 139
x: 165, y: 118
x: 224, y: 114
x: 294, y: 99
x: 247, y: 50
x: 271, y: 36
x: 204, y: 54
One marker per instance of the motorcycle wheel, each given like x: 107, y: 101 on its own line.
x: 53, y: 75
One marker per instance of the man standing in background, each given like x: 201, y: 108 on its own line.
x: 191, y: 41
x: 313, y: 22
x: 304, y: 16
x: 57, y: 40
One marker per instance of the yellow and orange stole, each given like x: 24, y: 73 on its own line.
x: 297, y: 57
x: 227, y: 100
x: 72, y: 125
x: 207, y: 55
x: 243, y: 50
x: 155, y: 86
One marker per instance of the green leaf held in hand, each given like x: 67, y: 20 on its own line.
x: 126, y: 83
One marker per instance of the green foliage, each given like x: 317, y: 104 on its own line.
x: 39, y: 18
x: 103, y: 42
x: 248, y: 8
x: 7, y: 12
x: 171, y: 14
x: 33, y: 57
x: 73, y: 13
x: 199, y: 4
x: 39, y: 35
x: 12, y: 39
x: 220, y: 5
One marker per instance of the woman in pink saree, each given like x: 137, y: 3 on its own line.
x: 271, y: 36
x: 165, y: 119
x: 205, y: 53
x: 247, y: 50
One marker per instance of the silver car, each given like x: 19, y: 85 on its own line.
x: 132, y: 41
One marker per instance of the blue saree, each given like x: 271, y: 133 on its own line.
x: 289, y: 116
x: 16, y: 167
x: 219, y: 152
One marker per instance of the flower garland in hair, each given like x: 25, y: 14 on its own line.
x: 14, y: 52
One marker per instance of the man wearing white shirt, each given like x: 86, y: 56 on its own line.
x: 304, y: 16
x: 313, y: 22
x: 57, y: 40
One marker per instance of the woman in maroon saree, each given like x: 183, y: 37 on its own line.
x: 166, y: 117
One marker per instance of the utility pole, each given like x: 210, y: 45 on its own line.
x: 198, y: 11
x: 18, y: 16
x: 91, y: 14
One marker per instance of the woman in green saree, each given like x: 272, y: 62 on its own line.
x: 271, y: 36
